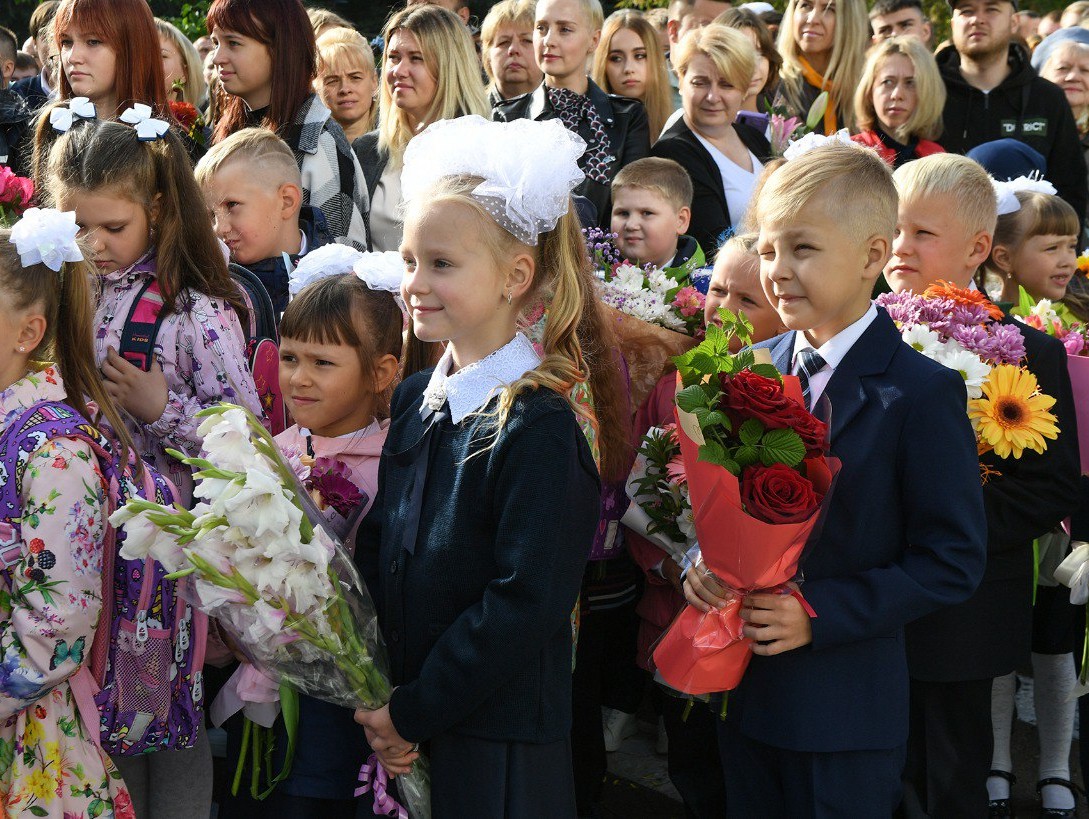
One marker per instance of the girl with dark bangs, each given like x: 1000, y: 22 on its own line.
x: 266, y: 60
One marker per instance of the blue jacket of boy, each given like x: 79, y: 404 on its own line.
x: 903, y: 535
x: 273, y: 272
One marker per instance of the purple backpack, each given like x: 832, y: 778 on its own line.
x: 143, y: 682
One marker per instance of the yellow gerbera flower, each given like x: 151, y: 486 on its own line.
x: 1012, y: 415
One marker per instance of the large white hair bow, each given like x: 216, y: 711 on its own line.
x: 813, y: 140
x: 528, y: 168
x: 1006, y: 192
x: 379, y: 271
x: 46, y: 236
x: 148, y: 128
x: 62, y: 118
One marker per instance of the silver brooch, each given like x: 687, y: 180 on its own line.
x: 435, y: 397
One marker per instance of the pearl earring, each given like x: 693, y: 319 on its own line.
x: 22, y: 349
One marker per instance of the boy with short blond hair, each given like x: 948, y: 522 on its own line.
x: 945, y: 224
x: 652, y: 208
x: 253, y: 188
x: 818, y: 725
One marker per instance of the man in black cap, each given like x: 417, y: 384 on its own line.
x: 993, y: 92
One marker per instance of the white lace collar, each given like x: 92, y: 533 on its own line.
x: 472, y: 387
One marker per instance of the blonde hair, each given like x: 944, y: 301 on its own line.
x: 504, y: 13
x: 657, y: 98
x: 743, y: 244
x: 849, y: 41
x: 925, y: 121
x: 853, y: 177
x: 320, y: 18
x: 665, y: 177
x: 658, y: 18
x: 270, y: 157
x: 195, y: 89
x: 955, y: 176
x: 347, y: 48
x: 594, y: 13
x: 578, y: 342
x: 450, y: 58
x: 731, y: 51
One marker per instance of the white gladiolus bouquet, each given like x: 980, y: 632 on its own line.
x: 262, y: 564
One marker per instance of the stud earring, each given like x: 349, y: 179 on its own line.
x: 22, y: 349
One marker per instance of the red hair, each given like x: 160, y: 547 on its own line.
x: 284, y: 29
x: 128, y: 28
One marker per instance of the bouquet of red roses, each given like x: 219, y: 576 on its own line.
x: 758, y: 476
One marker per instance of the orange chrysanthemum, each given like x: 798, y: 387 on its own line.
x: 961, y: 295
x: 1013, y: 415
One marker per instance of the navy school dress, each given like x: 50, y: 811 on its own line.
x: 474, y: 552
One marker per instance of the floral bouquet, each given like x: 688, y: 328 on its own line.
x: 658, y: 313
x: 16, y: 195
x: 1055, y: 319
x: 283, y: 588
x: 960, y: 330
x: 758, y: 476
x: 784, y: 129
x: 188, y: 118
x: 658, y: 486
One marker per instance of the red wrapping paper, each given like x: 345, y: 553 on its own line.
x: 706, y: 653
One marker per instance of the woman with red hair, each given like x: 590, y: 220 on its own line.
x: 266, y: 60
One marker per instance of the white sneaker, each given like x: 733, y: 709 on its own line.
x: 618, y: 727
x: 661, y: 747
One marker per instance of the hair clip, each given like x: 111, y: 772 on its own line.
x: 63, y: 118
x: 46, y: 236
x: 148, y: 128
x: 1006, y: 192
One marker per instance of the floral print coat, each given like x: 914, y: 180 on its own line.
x: 49, y: 607
x: 202, y: 351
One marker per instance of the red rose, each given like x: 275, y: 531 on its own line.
x: 748, y: 395
x: 777, y: 494
x: 812, y: 431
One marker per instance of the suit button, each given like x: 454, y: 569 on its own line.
x: 393, y: 567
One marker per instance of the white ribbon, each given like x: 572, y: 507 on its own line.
x: 148, y: 128
x: 1006, y: 192
x: 62, y: 118
x: 46, y: 236
x: 812, y: 140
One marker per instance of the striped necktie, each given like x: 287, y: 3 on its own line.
x: 809, y: 364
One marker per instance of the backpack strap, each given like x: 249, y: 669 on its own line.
x: 142, y: 325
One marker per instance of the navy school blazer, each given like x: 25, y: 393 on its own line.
x: 904, y: 535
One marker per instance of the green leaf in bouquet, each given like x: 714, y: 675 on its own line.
x: 767, y: 370
x: 750, y: 432
x: 1025, y: 302
x: 744, y: 360
x: 716, y: 418
x: 691, y: 398
x: 782, y: 446
x: 713, y: 452
x: 746, y: 455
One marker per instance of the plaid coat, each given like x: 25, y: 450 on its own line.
x: 331, y: 176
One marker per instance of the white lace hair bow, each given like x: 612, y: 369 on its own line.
x: 46, y: 236
x: 148, y: 128
x: 379, y: 271
x: 814, y: 140
x: 1006, y: 192
x: 529, y: 168
x: 63, y: 118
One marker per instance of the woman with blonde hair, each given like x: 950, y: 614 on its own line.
x: 899, y: 101
x: 506, y: 48
x: 430, y: 72
x: 347, y: 80
x: 823, y: 44
x: 182, y: 66
x: 629, y: 62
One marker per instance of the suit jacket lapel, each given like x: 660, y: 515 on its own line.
x: 782, y: 354
x: 870, y: 355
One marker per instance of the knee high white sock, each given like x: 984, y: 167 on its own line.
x: 1053, y: 682
x: 1002, y: 691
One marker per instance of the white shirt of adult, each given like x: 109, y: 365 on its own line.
x: 832, y: 351
x: 736, y: 181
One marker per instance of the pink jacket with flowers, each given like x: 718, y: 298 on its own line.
x: 201, y: 349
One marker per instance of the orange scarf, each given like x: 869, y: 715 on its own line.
x: 831, y: 124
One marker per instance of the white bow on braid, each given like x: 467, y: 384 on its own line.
x: 62, y: 118
x: 1006, y: 192
x: 148, y: 128
x: 379, y: 271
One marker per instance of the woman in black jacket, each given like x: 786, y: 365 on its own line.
x: 723, y: 157
x: 615, y: 128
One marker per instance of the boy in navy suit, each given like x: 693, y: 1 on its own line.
x: 819, y: 724
x: 946, y: 219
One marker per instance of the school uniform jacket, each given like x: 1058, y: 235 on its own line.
x: 903, y: 535
x: 711, y: 217
x: 991, y: 633
x: 626, y: 125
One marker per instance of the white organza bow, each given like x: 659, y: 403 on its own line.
x: 46, y: 236
x: 1006, y: 192
x: 148, y: 128
x: 814, y: 140
x: 62, y: 118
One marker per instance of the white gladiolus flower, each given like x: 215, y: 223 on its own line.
x: 143, y: 539
x: 228, y: 436
x: 260, y: 508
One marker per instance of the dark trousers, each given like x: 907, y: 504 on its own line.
x: 768, y: 782
x: 484, y: 779
x: 949, y: 749
x: 605, y: 674
x: 694, y: 765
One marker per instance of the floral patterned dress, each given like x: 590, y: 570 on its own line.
x: 49, y: 765
x: 201, y: 349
